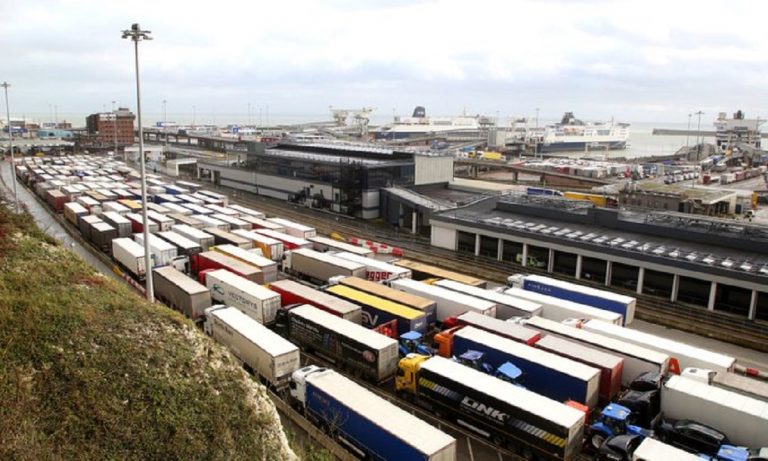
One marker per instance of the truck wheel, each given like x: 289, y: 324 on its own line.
x: 597, y: 440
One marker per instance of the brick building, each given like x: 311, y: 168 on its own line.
x: 101, y: 128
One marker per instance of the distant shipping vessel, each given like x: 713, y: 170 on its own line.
x: 572, y: 135
x: 420, y: 125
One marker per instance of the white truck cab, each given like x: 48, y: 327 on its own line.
x: 298, y: 384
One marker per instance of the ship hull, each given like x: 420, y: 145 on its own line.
x: 582, y: 146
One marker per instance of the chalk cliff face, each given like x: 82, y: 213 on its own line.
x: 88, y: 370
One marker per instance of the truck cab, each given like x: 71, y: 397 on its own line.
x: 614, y: 420
x: 643, y: 399
x: 407, y: 369
x: 282, y: 320
x: 444, y: 341
x: 411, y: 343
x: 298, y: 383
x: 516, y: 280
x: 474, y: 360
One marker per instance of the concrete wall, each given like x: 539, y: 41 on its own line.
x: 443, y: 237
x: 430, y: 170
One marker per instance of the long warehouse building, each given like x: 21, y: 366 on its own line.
x: 718, y: 264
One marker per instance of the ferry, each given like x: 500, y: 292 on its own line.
x: 574, y: 135
x: 419, y: 124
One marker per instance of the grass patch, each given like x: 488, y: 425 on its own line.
x: 88, y: 370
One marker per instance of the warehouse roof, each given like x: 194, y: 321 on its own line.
x: 685, y: 240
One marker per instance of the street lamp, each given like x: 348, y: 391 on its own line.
x: 698, y: 134
x: 5, y: 86
x: 688, y: 133
x: 136, y: 35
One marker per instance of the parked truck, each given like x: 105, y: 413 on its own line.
x: 258, y: 302
x: 212, y: 260
x: 506, y: 306
x: 259, y: 223
x: 375, y: 270
x: 545, y: 373
x: 247, y: 211
x: 233, y: 221
x: 164, y: 223
x: 270, y: 248
x: 637, y: 360
x: 320, y: 243
x: 295, y: 229
x: 295, y: 293
x: 602, y: 299
x: 350, y: 346
x: 559, y: 309
x: 744, y: 419
x: 506, y: 414
x: 181, y: 292
x: 266, y: 266
x: 264, y: 352
x: 184, y: 247
x: 85, y: 224
x: 369, y: 425
x: 610, y: 365
x: 102, y: 235
x: 163, y: 252
x: 205, y: 240
x: 499, y: 327
x: 377, y: 311
x: 221, y: 237
x: 130, y: 256
x: 209, y: 221
x: 683, y: 355
x: 118, y: 221
x: 449, y: 303
x: 137, y: 223
x: 290, y: 242
x: 744, y: 385
x: 73, y: 211
x: 419, y: 303
x: 319, y: 267
x: 177, y: 209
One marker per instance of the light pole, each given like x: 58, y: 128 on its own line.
x: 688, y: 132
x: 249, y: 113
x: 5, y: 86
x: 698, y: 134
x: 193, y: 116
x: 114, y: 125
x: 136, y: 35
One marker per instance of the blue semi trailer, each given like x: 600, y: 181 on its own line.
x: 545, y: 373
x: 602, y: 299
x: 368, y: 425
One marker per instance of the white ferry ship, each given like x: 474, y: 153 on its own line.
x: 465, y: 126
x: 571, y: 134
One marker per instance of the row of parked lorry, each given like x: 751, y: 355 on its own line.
x: 496, y: 361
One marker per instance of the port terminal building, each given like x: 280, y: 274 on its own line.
x: 342, y: 177
x: 717, y: 264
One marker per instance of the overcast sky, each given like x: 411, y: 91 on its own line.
x: 634, y: 60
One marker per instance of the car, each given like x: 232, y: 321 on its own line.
x: 619, y: 448
x: 691, y: 436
